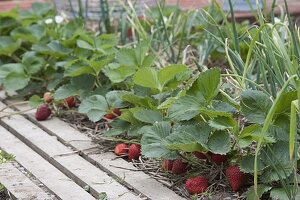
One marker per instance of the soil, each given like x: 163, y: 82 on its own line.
x: 4, y: 195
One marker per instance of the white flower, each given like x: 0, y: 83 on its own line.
x: 165, y: 19
x: 277, y: 20
x: 49, y: 21
x: 59, y: 19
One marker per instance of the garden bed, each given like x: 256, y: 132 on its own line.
x: 167, y: 105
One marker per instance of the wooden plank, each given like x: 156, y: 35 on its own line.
x: 73, y: 165
x: 19, y: 185
x: 138, y: 180
x: 52, y: 178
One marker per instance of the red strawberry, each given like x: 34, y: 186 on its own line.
x: 200, y: 155
x: 43, y: 112
x: 218, y: 158
x: 110, y: 116
x: 134, y: 152
x: 117, y: 111
x: 121, y: 149
x: 167, y: 165
x: 235, y: 177
x: 179, y: 167
x: 48, y: 97
x: 196, y: 185
x: 70, y: 102
x: 130, y: 33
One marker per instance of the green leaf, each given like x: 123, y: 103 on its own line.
x: 77, y: 68
x: 219, y: 142
x: 15, y: 81
x: 35, y: 101
x: 255, y: 106
x: 126, y: 57
x: 8, y: 46
x: 168, y: 73
x: 65, y: 91
x: 6, y: 69
x: 207, y: 85
x: 189, y: 138
x: 247, y: 164
x: 139, y: 101
x: 147, y: 77
x: 261, y: 189
x: 54, y: 48
x: 284, y: 104
x: 100, y: 62
x: 31, y: 33
x: 280, y: 194
x: 7, y: 23
x: 95, y: 107
x: 84, y: 45
x: 114, y: 99
x: 222, y: 123
x: 32, y: 62
x: 152, y: 141
x: 185, y: 108
x: 148, y: 116
x: 117, y: 73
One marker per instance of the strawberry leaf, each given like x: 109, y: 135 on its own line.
x: 219, y: 142
x: 207, y: 85
x: 148, y: 116
x: 255, y: 106
x: 185, y: 108
x: 189, y: 138
x: 94, y: 107
x: 153, y: 141
x: 261, y: 189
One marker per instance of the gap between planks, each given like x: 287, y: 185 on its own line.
x: 137, y: 180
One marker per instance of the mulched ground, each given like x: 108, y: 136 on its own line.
x: 218, y: 188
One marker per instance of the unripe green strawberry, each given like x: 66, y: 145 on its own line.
x: 48, y: 98
x: 235, y: 177
x: 43, y: 112
x: 196, y: 185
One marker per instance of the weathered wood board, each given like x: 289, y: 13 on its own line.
x: 51, y: 177
x: 19, y: 185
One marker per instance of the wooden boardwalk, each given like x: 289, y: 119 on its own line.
x: 62, y: 159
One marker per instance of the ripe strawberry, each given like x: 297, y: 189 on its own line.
x: 130, y: 33
x: 134, y: 152
x: 48, y: 98
x: 179, y: 167
x: 121, y: 149
x: 117, y: 111
x: 200, y: 155
x: 43, y: 112
x: 235, y: 177
x: 167, y: 165
x: 70, y: 101
x: 196, y: 185
x: 218, y: 158
x: 110, y: 116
